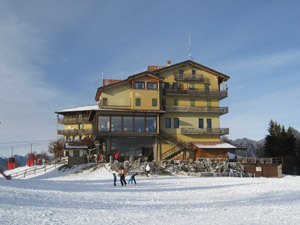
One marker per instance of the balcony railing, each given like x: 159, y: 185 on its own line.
x: 75, y: 132
x: 189, y: 77
x: 206, y: 131
x: 72, y: 120
x: 219, y: 110
x: 196, y: 93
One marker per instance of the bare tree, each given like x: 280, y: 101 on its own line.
x: 56, y: 148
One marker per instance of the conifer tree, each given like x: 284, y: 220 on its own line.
x: 281, y: 143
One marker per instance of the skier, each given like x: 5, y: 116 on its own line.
x: 132, y: 178
x: 115, y: 179
x: 148, y: 169
x: 122, y: 173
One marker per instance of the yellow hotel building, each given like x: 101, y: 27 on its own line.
x: 166, y: 112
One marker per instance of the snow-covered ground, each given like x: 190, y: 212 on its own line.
x: 89, y: 197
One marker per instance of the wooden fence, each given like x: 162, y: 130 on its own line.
x: 38, y: 169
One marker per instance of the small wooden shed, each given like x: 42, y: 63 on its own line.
x: 264, y: 170
x: 76, y: 154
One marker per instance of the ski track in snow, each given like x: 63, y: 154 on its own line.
x: 89, y: 197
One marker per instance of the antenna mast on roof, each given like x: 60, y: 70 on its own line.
x: 189, y: 49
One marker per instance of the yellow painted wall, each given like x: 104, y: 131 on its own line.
x: 118, y: 96
x: 146, y: 97
x: 208, y: 78
x: 188, y: 120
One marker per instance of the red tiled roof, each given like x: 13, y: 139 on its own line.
x: 152, y: 68
x: 109, y: 81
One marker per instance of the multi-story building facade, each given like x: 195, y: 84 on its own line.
x: 162, y: 113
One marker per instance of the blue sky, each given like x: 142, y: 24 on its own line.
x: 53, y: 53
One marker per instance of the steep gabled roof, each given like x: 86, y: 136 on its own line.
x: 130, y: 78
x: 191, y: 63
x: 153, y: 68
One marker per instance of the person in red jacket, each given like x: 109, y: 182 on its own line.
x: 117, y: 156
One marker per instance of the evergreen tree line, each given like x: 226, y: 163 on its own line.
x: 282, y: 143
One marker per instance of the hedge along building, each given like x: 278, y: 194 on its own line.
x: 162, y: 113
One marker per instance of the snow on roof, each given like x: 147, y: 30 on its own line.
x: 214, y: 145
x: 67, y: 146
x: 80, y: 108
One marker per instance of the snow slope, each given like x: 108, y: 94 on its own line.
x: 89, y: 197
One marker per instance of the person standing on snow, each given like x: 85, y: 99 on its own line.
x: 117, y: 156
x: 122, y: 173
x: 115, y: 179
x: 148, y: 169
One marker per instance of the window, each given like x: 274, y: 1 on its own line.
x: 139, y: 123
x: 192, y: 102
x: 163, y: 101
x: 80, y: 116
x: 176, y: 123
x: 168, y: 122
x: 201, y: 125
x: 181, y: 73
x: 193, y: 74
x: 80, y: 126
x: 208, y: 121
x: 103, y: 123
x: 176, y: 100
x: 139, y: 85
x: 127, y: 124
x: 116, y: 123
x: 175, y: 86
x: 151, y: 85
x: 151, y: 124
x: 104, y: 101
x: 137, y: 102
x: 206, y: 87
x: 167, y: 84
x: 154, y: 101
x: 80, y: 138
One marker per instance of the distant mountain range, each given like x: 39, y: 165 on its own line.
x: 254, y: 146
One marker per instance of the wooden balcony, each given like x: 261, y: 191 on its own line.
x: 192, y: 109
x: 196, y: 93
x: 75, y: 132
x: 189, y: 77
x: 67, y: 120
x: 205, y: 131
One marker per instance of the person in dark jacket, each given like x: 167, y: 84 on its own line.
x: 132, y: 178
x: 122, y: 173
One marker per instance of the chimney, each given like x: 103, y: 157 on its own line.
x: 169, y: 63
